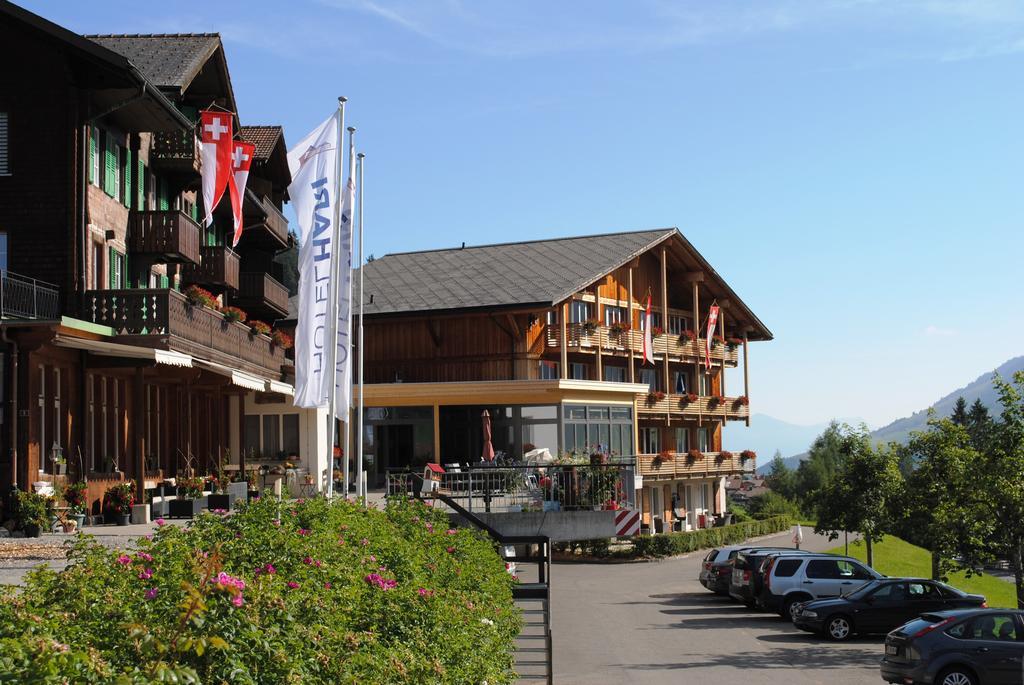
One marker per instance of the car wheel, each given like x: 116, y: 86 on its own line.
x: 838, y: 628
x: 789, y: 608
x: 956, y: 676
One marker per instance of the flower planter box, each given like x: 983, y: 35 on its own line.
x: 185, y: 507
x: 220, y: 501
x: 32, y: 530
x: 140, y: 513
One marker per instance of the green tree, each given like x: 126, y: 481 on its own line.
x: 859, y: 496
x: 979, y: 424
x: 823, y: 460
x: 781, y: 478
x: 931, y: 508
x: 959, y: 415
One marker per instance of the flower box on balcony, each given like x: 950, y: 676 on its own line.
x: 657, y: 331
x: 687, y: 336
x: 724, y: 454
x: 748, y: 454
x: 660, y: 458
x: 717, y: 340
x: 694, y: 455
x: 590, y: 326
x: 733, y: 343
x: 741, y: 401
x: 688, y: 398
x: 715, y: 400
x: 619, y: 327
x: 655, y: 396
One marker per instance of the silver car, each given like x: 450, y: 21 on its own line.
x: 790, y: 580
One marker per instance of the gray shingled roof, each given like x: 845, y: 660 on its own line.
x: 528, y: 273
x: 169, y: 60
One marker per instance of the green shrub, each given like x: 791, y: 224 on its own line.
x: 34, y: 509
x: 739, y: 513
x: 669, y: 544
x: 773, y: 504
x: 332, y: 593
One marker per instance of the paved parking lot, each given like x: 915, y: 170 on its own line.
x: 654, y: 623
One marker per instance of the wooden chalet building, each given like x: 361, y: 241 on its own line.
x: 547, y: 337
x: 103, y: 358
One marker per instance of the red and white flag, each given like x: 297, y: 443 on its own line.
x: 215, y: 135
x: 712, y: 322
x: 241, y: 160
x: 648, y: 335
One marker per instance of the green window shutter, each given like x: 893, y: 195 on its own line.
x: 162, y: 186
x: 195, y: 212
x: 112, y: 268
x: 165, y: 281
x: 127, y: 174
x: 109, y: 166
x: 92, y: 154
x: 140, y: 192
x: 127, y: 274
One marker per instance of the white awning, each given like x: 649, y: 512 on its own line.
x: 281, y: 388
x: 239, y: 378
x: 109, y: 349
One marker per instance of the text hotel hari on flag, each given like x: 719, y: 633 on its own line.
x: 314, y: 192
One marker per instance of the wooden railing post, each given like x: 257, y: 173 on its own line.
x: 629, y: 319
x: 563, y: 311
x: 746, y: 375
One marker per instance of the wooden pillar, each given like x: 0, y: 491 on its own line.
x: 629, y: 309
x: 664, y: 310
x: 721, y: 329
x: 238, y: 401
x: 696, y: 330
x: 597, y: 332
x: 139, y: 434
x: 666, y: 495
x: 437, y: 433
x: 746, y: 375
x: 563, y: 314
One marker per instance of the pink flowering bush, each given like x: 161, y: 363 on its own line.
x: 236, y: 599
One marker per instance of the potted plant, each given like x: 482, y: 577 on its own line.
x: 741, y: 401
x: 189, y: 501
x: 733, y: 343
x: 661, y: 457
x: 259, y: 328
x: 688, y: 398
x: 281, y: 339
x: 590, y: 326
x: 717, y: 340
x: 694, y: 455
x: 619, y: 327
x: 33, y: 513
x: 221, y: 498
x: 724, y: 454
x: 195, y: 295
x: 687, y: 336
x: 655, y: 396
x: 74, y: 495
x: 233, y: 314
x: 120, y: 498
x: 715, y: 400
x: 748, y: 454
x: 657, y: 331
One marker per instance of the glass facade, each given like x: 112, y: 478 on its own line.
x: 592, y: 428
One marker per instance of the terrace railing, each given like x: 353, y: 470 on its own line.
x: 581, y: 338
x: 28, y: 298
x: 528, y: 487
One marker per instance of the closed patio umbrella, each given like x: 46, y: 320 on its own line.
x: 488, y: 454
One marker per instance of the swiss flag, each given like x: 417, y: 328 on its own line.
x: 648, y: 333
x: 215, y: 134
x: 241, y: 160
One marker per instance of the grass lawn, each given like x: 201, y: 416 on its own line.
x: 896, y: 557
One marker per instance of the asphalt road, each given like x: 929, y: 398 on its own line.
x: 653, y: 622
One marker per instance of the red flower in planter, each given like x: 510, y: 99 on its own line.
x: 619, y: 326
x: 716, y: 399
x: 196, y: 295
x: 695, y: 455
x: 655, y: 396
x: 281, y: 339
x: 656, y: 331
x: 725, y: 454
x: 259, y: 327
x: 234, y: 314
x: 748, y: 454
x: 688, y: 398
x: 717, y: 340
x: 733, y: 343
x: 741, y: 401
x: 687, y: 336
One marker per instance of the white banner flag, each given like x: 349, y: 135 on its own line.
x: 343, y: 387
x: 313, y: 194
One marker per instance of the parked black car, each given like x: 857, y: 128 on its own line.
x: 880, y: 606
x: 961, y: 647
x: 746, y: 579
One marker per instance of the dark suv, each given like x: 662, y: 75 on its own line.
x: 959, y: 647
x: 716, y: 571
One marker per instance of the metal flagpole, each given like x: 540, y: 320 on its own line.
x: 347, y: 472
x: 332, y: 351
x: 359, y: 420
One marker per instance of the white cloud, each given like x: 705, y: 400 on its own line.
x: 933, y: 331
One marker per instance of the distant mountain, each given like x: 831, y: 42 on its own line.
x: 897, y: 431
x: 980, y: 389
x: 767, y: 434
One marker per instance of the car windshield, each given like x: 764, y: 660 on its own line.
x: 864, y: 590
x: 949, y: 591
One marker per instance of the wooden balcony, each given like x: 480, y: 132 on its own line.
x: 175, y: 153
x: 730, y: 408
x: 260, y: 293
x: 164, y: 319
x: 170, y: 236
x: 266, y: 227
x: 580, y: 339
x: 218, y: 268
x: 711, y: 465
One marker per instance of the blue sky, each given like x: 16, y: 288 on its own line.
x: 852, y: 167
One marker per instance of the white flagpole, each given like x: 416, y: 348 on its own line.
x: 332, y: 351
x: 359, y: 420
x: 347, y: 472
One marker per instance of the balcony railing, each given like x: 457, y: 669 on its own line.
x: 164, y: 318
x: 169, y: 235
x: 580, y: 338
x: 710, y: 464
x: 257, y: 289
x: 724, y: 408
x: 269, y: 228
x: 175, y: 152
x: 27, y: 298
x: 218, y: 267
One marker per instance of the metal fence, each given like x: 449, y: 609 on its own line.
x: 27, y: 298
x: 527, y: 487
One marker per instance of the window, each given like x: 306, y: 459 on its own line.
x: 271, y: 434
x: 649, y: 377
x: 608, y: 428
x: 42, y: 418
x: 252, y: 436
x: 96, y: 276
x: 922, y: 591
x: 682, y: 440
x: 676, y: 324
x: 579, y: 311
x: 118, y: 278
x: 786, y: 568
x: 650, y: 440
x: 679, y: 384
x: 57, y: 423
x: 102, y: 456
x: 823, y: 568
x: 290, y: 434
x: 655, y: 319
x: 90, y: 421
x: 551, y: 317
x: 704, y: 384
x: 615, y: 374
x: 154, y: 427
x: 614, y: 314
x: 5, y: 158
x: 578, y: 372
x: 1000, y: 627
x: 703, y: 440
x: 548, y: 370
x: 95, y: 170
x: 3, y: 250
x: 111, y: 167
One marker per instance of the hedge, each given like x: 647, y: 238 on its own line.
x: 669, y: 544
x: 316, y: 593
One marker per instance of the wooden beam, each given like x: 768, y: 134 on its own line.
x: 139, y: 435
x: 721, y: 332
x: 664, y: 321
x: 629, y: 294
x: 514, y: 325
x: 693, y: 277
x: 563, y: 314
x: 696, y: 329
x: 746, y: 375
x: 437, y: 433
x: 435, y: 335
